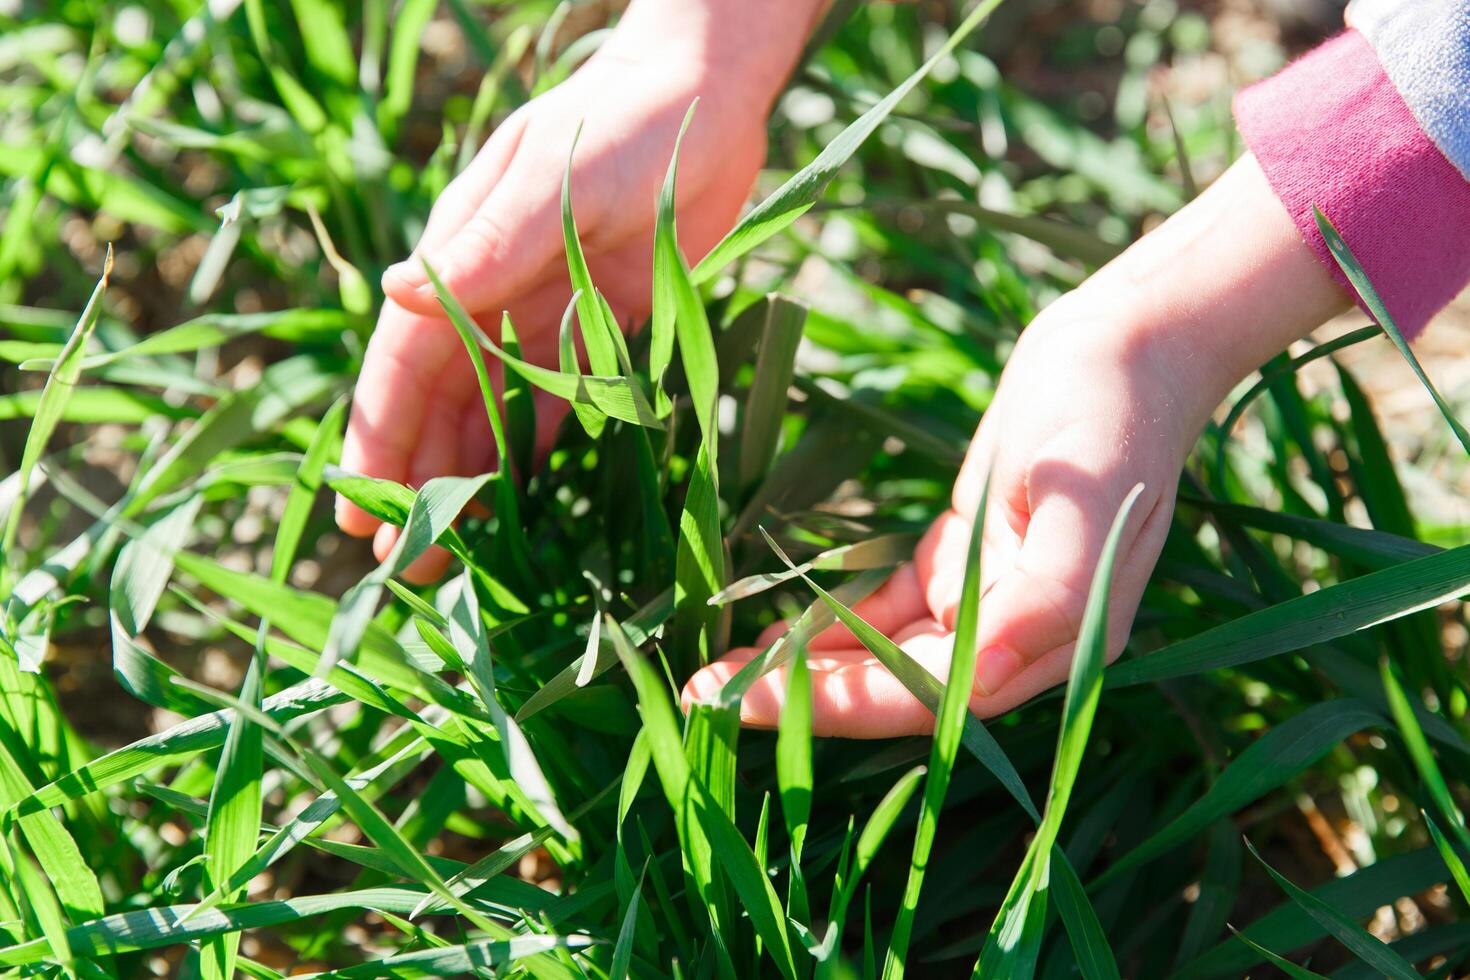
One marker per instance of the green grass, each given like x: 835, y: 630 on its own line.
x: 490, y: 776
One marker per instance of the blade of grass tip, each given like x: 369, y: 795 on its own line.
x: 920, y: 683
x: 233, y: 823
x: 1355, y: 274
x: 60, y: 383
x: 664, y: 308
x: 795, y: 197
x: 1452, y: 858
x: 1361, y: 943
x: 596, y: 329
x: 589, y: 656
x: 699, y: 562
x: 1280, y: 962
x: 1013, y: 944
x: 954, y: 708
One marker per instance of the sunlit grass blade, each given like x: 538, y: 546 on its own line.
x: 304, y: 491
x: 1014, y: 942
x: 50, y: 407
x: 44, y: 906
x: 169, y: 747
x: 886, y: 551
x: 692, y: 802
x: 436, y: 506
x: 233, y: 823
x: 1355, y: 274
x: 617, y: 396
x: 1358, y: 940
x: 924, y: 686
x: 949, y: 720
x: 794, y: 774
x: 699, y: 563
x: 62, y: 861
x: 596, y: 329
x: 795, y: 197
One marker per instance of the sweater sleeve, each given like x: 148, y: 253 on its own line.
x: 1378, y: 138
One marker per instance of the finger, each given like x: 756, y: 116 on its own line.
x: 1037, y: 605
x: 457, y: 204
x: 459, y: 200
x: 895, y: 604
x: 404, y: 359
x: 506, y: 247
x: 853, y: 695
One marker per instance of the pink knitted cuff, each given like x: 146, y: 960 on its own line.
x: 1332, y: 131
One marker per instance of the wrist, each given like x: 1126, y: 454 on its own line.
x: 1217, y: 290
x: 746, y: 46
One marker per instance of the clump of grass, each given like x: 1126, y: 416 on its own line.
x: 373, y: 792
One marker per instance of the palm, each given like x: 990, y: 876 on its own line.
x: 1066, y: 437
x: 495, y: 238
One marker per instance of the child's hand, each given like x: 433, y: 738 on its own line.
x: 495, y: 235
x: 1081, y: 415
x: 1106, y: 389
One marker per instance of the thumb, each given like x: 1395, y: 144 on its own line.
x: 1035, y: 606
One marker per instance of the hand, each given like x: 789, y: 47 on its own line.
x: 495, y: 238
x: 1107, y: 388
x: 1078, y: 419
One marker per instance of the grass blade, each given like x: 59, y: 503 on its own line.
x: 795, y: 197
x: 1355, y: 274
x: 60, y: 384
x: 1014, y: 941
x: 949, y: 720
x: 233, y: 823
x: 1335, y: 611
x: 1358, y: 940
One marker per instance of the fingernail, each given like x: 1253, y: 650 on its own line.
x: 994, y: 667
x: 408, y: 272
